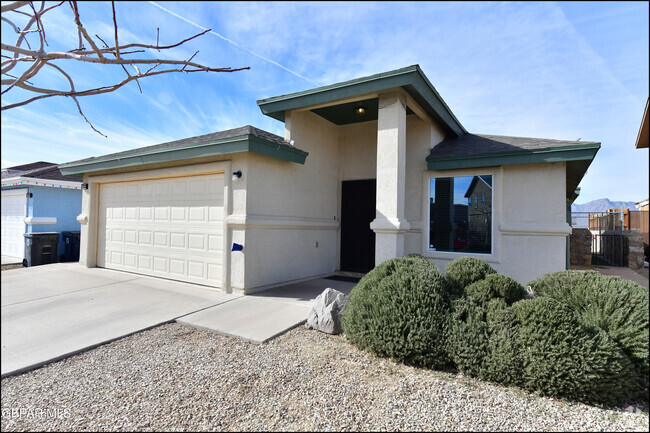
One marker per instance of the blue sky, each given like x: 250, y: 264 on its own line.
x: 564, y: 70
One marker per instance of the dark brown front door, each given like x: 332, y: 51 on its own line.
x: 357, y: 212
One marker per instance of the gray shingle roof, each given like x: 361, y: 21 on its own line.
x: 199, y: 139
x: 30, y: 166
x: 38, y: 170
x: 477, y: 144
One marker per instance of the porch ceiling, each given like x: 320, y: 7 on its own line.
x: 345, y: 114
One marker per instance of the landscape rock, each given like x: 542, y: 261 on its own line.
x: 325, y: 315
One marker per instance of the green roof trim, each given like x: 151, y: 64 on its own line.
x: 577, y: 157
x: 553, y: 154
x: 244, y: 143
x: 411, y: 78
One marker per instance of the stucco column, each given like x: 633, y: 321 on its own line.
x: 88, y: 224
x: 389, y: 224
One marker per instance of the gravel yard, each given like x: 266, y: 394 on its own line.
x: 175, y: 377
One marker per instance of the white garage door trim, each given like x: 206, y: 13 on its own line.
x: 170, y: 227
x: 14, y: 211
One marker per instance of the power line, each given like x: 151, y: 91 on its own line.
x: 232, y: 42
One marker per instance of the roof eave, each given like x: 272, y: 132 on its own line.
x: 245, y: 143
x: 569, y: 153
x: 411, y: 78
x: 578, y: 159
x: 34, y: 181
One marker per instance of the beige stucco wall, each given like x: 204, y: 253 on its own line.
x: 292, y: 218
x: 533, y: 228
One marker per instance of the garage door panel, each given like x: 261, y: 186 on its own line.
x: 177, y: 214
x: 144, y: 261
x: 170, y: 228
x: 215, y: 243
x: 130, y: 260
x: 131, y: 213
x: 161, y: 239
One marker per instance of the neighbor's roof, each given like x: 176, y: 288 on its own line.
x: 243, y: 139
x: 30, y: 166
x: 410, y: 78
x: 37, y: 170
x: 473, y: 150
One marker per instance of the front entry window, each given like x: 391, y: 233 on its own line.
x: 460, y: 214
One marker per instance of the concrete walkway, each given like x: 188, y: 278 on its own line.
x: 263, y: 316
x: 50, y: 312
x: 639, y: 276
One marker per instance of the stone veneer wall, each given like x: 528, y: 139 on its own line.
x: 580, y: 247
x: 635, y: 248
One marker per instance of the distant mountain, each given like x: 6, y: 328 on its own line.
x: 602, y: 205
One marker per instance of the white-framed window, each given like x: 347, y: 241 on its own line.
x: 458, y: 221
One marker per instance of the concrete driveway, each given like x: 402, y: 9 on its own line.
x: 53, y: 311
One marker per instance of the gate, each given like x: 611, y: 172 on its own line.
x: 609, y: 249
x: 609, y: 246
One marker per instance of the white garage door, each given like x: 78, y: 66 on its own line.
x: 14, y: 211
x: 171, y: 228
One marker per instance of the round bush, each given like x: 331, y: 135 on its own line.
x: 464, y: 271
x: 563, y: 358
x: 496, y: 286
x: 468, y: 335
x: 400, y: 309
x: 483, y: 340
x: 503, y: 364
x: 616, y: 306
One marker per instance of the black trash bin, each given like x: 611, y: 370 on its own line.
x: 71, y: 246
x: 41, y: 248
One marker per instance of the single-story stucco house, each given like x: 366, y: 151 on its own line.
x: 37, y: 198
x: 368, y: 169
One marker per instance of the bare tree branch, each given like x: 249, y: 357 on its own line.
x: 82, y: 30
x: 13, y: 6
x: 32, y: 61
x: 117, y: 45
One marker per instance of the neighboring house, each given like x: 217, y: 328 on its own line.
x: 348, y: 186
x: 37, y: 198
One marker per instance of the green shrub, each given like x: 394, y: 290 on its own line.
x: 496, y: 286
x: 483, y: 340
x: 616, y: 306
x: 464, y: 271
x: 563, y: 358
x: 400, y: 309
x: 468, y: 335
x: 503, y: 364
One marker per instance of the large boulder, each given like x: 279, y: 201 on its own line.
x: 325, y: 315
